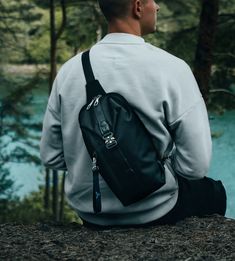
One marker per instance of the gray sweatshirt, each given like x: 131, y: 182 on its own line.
x: 162, y: 90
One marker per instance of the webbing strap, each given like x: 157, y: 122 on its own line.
x: 93, y: 87
x: 89, y: 75
x: 96, y: 192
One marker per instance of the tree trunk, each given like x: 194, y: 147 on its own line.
x: 51, y: 79
x: 55, y: 196
x: 62, y: 198
x: 75, y: 50
x: 54, y: 36
x: 53, y: 44
x: 203, y: 55
x: 47, y: 189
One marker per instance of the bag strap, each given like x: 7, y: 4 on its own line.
x: 93, y: 87
x: 87, y: 67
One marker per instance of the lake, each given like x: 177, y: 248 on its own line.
x: 222, y: 166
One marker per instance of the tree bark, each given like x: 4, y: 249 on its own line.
x: 51, y: 79
x: 47, y: 190
x: 55, y: 196
x: 203, y: 55
x: 54, y: 36
x: 53, y: 44
x: 62, y: 198
x: 64, y: 19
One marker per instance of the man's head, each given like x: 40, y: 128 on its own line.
x: 132, y: 13
x: 113, y: 9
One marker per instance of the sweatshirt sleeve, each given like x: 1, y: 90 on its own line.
x: 191, y: 133
x: 189, y: 125
x: 51, y: 145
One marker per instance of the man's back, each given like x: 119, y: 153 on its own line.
x: 163, y: 92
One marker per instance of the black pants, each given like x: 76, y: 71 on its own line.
x: 196, y: 198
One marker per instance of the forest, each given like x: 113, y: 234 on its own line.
x: 37, y: 37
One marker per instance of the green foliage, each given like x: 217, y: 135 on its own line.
x: 178, y: 22
x: 27, y: 38
x: 224, y: 57
x: 178, y: 27
x: 15, y: 124
x: 39, y: 53
x: 31, y: 210
x: 38, y: 48
x: 83, y: 26
x: 18, y: 18
x: 6, y: 184
x: 223, y: 76
x: 28, y: 210
x: 7, y: 190
x: 28, y: 41
x: 15, y: 134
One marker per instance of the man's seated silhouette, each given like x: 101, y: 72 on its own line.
x: 163, y: 92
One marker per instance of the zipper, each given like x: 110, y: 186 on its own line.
x: 94, y: 163
x: 90, y: 104
x: 125, y: 160
x: 107, y: 135
x: 94, y: 102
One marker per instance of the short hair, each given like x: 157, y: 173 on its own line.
x: 112, y: 9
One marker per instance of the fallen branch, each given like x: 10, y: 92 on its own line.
x: 223, y: 91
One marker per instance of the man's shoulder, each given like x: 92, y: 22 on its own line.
x: 70, y: 69
x: 71, y: 64
x: 165, y: 56
x: 69, y: 72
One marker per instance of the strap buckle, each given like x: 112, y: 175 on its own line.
x: 110, y: 141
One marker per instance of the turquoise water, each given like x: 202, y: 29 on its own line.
x: 223, y: 159
x: 222, y: 166
x: 28, y: 177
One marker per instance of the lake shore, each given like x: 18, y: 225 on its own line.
x: 209, y: 238
x: 26, y: 69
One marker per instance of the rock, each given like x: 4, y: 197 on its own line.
x: 194, y: 239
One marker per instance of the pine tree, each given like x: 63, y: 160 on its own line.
x: 18, y: 19
x: 15, y: 135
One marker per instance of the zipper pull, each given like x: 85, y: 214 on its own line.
x: 96, y: 102
x: 94, y: 164
x: 90, y: 104
x: 96, y: 186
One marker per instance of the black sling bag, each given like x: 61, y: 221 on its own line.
x: 119, y: 145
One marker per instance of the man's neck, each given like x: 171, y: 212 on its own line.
x: 127, y: 26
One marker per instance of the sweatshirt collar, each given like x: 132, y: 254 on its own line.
x: 122, y: 38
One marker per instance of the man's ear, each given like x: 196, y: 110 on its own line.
x: 137, y: 8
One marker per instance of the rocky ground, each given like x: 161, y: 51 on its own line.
x: 211, y: 238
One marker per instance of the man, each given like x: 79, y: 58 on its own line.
x: 163, y: 92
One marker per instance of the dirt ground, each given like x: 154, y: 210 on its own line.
x: 211, y: 238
